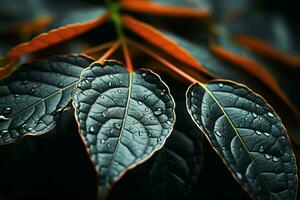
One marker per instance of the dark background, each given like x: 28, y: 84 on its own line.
x: 56, y: 166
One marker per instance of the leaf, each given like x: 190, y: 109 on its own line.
x: 124, y: 117
x: 248, y: 135
x: 173, y: 172
x: 55, y: 36
x: 271, y: 37
x: 158, y: 39
x: 195, y: 9
x: 239, y: 57
x: 32, y: 97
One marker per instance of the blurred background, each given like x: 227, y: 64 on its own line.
x: 56, y: 165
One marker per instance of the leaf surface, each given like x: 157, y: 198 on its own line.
x: 32, y: 97
x: 248, y: 135
x: 173, y: 172
x: 124, y: 117
x: 174, y: 8
x: 57, y: 35
x: 158, y: 39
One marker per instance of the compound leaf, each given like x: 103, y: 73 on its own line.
x: 124, y: 117
x: 248, y: 135
x: 32, y: 97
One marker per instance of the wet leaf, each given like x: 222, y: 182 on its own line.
x: 248, y: 135
x: 174, y: 8
x: 56, y: 35
x: 32, y: 97
x: 163, y: 42
x: 124, y: 117
x: 173, y: 172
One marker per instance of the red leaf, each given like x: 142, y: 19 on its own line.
x: 165, y: 10
x: 54, y: 36
x: 158, y: 39
x: 267, y: 50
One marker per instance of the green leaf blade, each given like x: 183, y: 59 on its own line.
x: 249, y: 137
x: 32, y: 97
x: 124, y: 117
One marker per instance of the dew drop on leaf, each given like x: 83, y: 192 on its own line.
x: 239, y: 175
x: 117, y: 126
x: 270, y: 114
x: 158, y: 111
x: 267, y: 134
x: 220, y: 85
x: 218, y: 133
x: 267, y: 156
x: 258, y: 132
x: 7, y: 110
x: 275, y: 159
x: 261, y: 149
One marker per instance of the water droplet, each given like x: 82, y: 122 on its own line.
x: 158, y: 111
x: 258, y: 132
x: 107, y: 145
x: 119, y: 91
x: 32, y: 91
x: 111, y: 76
x: 25, y: 82
x: 260, y: 118
x: 3, y: 118
x: 163, y: 92
x: 16, y: 95
x: 7, y: 110
x: 117, y: 126
x: 220, y: 85
x: 102, y: 141
x: 4, y: 131
x: 270, y: 114
x: 109, y: 84
x: 223, y: 148
x: 267, y: 134
x: 92, y: 129
x: 267, y: 156
x: 230, y: 99
x: 139, y: 102
x: 144, y: 74
x: 60, y: 84
x: 239, y: 175
x: 261, y: 149
x: 218, y: 133
x: 104, y: 114
x: 152, y: 118
x: 256, y: 105
x: 159, y: 140
x: 282, y: 137
x: 254, y: 115
x: 147, y: 109
x: 275, y: 159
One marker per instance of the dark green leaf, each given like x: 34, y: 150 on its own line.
x: 173, y: 172
x: 124, y: 117
x: 33, y: 96
x: 180, y: 3
x: 248, y: 135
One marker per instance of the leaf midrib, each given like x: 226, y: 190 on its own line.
x: 236, y: 132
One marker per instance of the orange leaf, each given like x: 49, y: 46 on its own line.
x: 267, y: 50
x: 165, y: 10
x: 7, y: 68
x: 254, y: 69
x: 158, y: 39
x: 54, y: 36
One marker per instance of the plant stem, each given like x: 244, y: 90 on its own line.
x: 163, y: 61
x: 98, y: 48
x: 115, y: 17
x: 110, y: 51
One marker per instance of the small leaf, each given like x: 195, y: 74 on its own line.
x: 32, y: 97
x: 173, y: 172
x: 195, y: 9
x: 248, y: 135
x: 157, y: 38
x: 55, y: 36
x: 124, y: 117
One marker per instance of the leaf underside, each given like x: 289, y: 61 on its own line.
x: 32, y: 97
x: 124, y: 117
x: 248, y: 136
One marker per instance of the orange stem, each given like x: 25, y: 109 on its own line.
x: 98, y: 48
x: 163, y: 61
x: 109, y: 52
x: 127, y: 55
